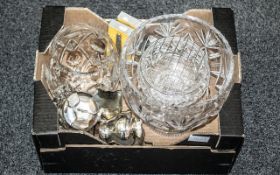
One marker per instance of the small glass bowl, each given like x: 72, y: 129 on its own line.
x: 176, y: 72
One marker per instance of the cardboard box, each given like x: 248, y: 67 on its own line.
x: 212, y: 148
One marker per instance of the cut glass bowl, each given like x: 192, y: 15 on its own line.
x: 83, y: 59
x: 176, y: 72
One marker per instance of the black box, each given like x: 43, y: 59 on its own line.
x: 74, y: 151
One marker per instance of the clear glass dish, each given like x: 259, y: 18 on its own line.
x: 176, y: 72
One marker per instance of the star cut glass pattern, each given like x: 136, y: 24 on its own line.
x: 176, y: 72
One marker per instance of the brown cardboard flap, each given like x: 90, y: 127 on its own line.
x: 40, y: 60
x: 237, y: 69
x: 204, y: 14
x: 76, y: 15
x: 155, y: 138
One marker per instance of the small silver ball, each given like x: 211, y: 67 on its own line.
x: 80, y: 111
x: 105, y: 132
